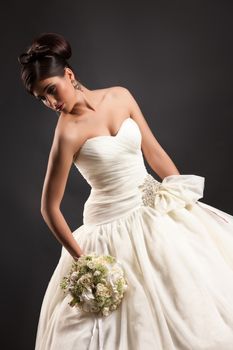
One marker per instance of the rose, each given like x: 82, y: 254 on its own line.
x: 102, y: 291
x: 74, y: 276
x: 91, y: 265
x: 85, y: 279
x: 97, y: 273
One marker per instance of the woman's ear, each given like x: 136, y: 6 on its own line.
x: 69, y: 73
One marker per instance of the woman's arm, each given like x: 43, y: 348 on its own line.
x: 60, y: 160
x: 155, y: 155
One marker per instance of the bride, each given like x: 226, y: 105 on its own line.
x: 177, y: 252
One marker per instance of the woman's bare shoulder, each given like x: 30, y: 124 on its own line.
x: 118, y: 91
x: 117, y: 96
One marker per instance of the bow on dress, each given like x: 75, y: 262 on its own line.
x: 174, y: 192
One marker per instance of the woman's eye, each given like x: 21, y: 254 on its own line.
x: 51, y: 90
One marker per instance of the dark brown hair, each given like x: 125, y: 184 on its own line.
x: 46, y: 57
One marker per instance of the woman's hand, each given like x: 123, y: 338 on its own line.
x: 77, y: 257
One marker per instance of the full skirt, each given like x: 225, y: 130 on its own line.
x: 179, y: 268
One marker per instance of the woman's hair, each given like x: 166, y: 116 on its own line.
x: 46, y: 57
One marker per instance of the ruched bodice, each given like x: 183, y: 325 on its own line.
x: 111, y: 163
x: 114, y: 168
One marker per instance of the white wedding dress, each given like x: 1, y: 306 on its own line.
x: 177, y: 253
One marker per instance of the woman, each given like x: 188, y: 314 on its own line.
x: 177, y: 252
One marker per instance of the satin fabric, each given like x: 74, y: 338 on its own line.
x: 177, y: 253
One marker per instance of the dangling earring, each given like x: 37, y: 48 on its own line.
x: 76, y: 84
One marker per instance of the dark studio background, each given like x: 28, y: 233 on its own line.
x: 174, y: 56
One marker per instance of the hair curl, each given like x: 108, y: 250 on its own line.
x: 46, y: 57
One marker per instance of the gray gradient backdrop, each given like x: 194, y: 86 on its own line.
x: 176, y: 59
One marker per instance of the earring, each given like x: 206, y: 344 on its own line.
x: 76, y: 84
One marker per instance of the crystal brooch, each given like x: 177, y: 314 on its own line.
x: 149, y: 188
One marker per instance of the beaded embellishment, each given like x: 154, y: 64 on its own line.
x: 149, y: 188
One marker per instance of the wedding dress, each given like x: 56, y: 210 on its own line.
x: 177, y: 254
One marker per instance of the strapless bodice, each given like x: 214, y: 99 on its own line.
x: 114, y: 168
x: 111, y: 162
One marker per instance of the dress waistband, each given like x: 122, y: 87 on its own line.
x: 174, y: 192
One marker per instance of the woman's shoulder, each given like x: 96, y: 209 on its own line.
x: 112, y: 90
x: 117, y: 90
x: 111, y: 97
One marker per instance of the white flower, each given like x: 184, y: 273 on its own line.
x: 116, y: 297
x: 91, y: 264
x: 102, y: 291
x: 105, y: 311
x: 97, y: 273
x: 74, y: 276
x: 85, y: 280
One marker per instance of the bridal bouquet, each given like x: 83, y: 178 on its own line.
x: 96, y: 283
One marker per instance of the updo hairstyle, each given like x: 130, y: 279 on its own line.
x: 46, y: 57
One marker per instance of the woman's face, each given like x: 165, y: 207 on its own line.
x: 57, y: 92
